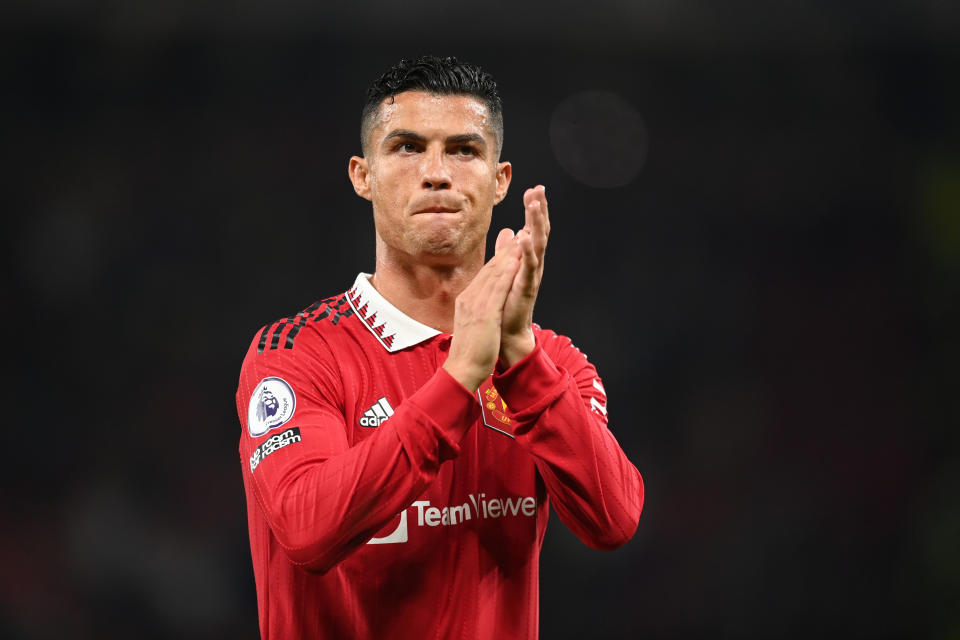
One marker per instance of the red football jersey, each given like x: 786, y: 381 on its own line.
x: 384, y: 500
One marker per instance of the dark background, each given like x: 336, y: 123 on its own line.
x: 756, y: 238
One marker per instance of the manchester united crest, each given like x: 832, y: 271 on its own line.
x: 496, y: 414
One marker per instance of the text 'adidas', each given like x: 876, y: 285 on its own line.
x: 377, y: 414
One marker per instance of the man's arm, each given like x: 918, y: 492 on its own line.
x: 559, y: 408
x: 321, y: 497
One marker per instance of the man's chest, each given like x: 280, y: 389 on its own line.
x: 375, y: 384
x: 490, y: 493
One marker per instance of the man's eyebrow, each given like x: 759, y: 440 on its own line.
x: 406, y: 134
x: 465, y: 138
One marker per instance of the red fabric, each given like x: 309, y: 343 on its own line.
x: 474, y: 499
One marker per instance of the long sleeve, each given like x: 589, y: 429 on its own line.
x: 321, y: 497
x: 559, y: 406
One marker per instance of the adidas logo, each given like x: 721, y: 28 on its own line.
x: 376, y: 415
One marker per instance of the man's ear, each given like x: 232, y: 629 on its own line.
x: 504, y: 174
x: 359, y: 171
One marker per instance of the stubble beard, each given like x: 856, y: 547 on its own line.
x: 435, y: 240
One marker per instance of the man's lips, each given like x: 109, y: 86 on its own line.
x: 437, y: 209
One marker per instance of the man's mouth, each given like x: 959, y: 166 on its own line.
x: 437, y: 209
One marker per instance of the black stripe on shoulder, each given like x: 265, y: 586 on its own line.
x: 294, y: 331
x: 275, y: 336
x: 272, y: 335
x: 341, y: 314
x: 263, y: 339
x: 334, y: 308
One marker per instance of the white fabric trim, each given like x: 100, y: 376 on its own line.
x: 391, y: 327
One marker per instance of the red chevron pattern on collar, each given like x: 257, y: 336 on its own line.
x: 392, y: 328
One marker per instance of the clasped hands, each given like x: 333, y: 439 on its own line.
x: 494, y: 314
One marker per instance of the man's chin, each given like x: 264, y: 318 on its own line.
x: 439, y: 255
x: 438, y: 245
x: 443, y: 249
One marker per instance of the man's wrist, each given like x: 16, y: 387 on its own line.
x: 470, y: 378
x: 513, y: 349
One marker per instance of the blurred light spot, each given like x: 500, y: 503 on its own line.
x: 599, y: 139
x: 939, y: 185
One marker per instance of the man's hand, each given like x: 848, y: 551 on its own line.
x: 478, y: 315
x: 517, y: 335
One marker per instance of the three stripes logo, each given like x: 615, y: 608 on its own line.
x: 377, y: 414
x: 599, y: 408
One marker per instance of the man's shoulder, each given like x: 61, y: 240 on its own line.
x: 549, y: 338
x: 557, y: 345
x: 297, y: 356
x: 320, y: 322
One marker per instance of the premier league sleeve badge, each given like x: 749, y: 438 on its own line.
x: 271, y: 405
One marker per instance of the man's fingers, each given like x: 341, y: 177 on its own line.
x: 528, y: 250
x: 531, y: 194
x: 501, y: 267
x: 516, y: 334
x: 545, y: 211
x: 526, y: 277
x: 504, y: 237
x: 508, y: 262
x: 537, y: 220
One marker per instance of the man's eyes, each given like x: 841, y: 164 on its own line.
x: 460, y: 150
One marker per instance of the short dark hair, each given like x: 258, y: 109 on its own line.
x: 439, y: 76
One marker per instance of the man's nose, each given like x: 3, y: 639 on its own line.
x: 436, y: 173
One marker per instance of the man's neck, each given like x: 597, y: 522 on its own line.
x: 424, y: 292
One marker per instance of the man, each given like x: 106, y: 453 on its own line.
x: 423, y: 424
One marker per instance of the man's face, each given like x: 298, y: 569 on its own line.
x: 433, y: 176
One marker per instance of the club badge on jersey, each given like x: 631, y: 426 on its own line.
x: 494, y: 409
x: 271, y: 405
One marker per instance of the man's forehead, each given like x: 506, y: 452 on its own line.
x: 419, y: 109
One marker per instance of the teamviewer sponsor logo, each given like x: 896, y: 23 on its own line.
x: 376, y: 415
x: 274, y: 443
x: 477, y: 507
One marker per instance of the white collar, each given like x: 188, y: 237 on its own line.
x: 394, y: 329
